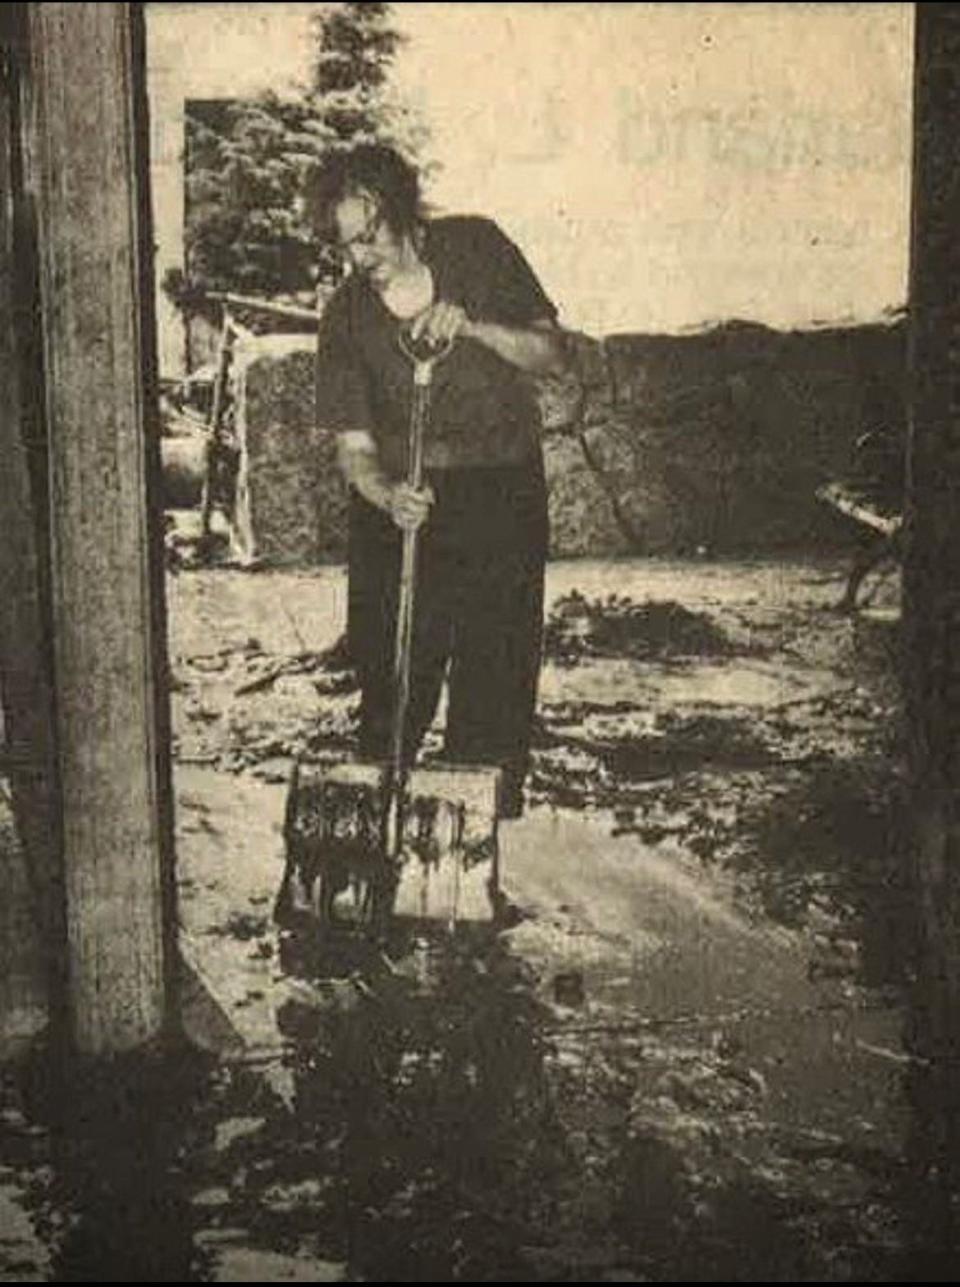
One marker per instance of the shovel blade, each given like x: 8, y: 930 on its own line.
x: 441, y: 863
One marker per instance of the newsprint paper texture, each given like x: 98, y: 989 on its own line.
x: 672, y: 1046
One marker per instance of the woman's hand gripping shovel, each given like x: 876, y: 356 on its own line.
x: 368, y: 842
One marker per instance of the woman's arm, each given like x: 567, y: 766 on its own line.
x: 537, y: 349
x: 357, y: 458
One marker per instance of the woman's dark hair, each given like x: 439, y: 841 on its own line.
x: 373, y: 168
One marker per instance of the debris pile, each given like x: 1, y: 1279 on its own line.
x: 617, y: 626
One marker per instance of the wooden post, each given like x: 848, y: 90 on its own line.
x: 88, y: 156
x: 224, y: 358
x: 932, y: 518
x: 30, y: 920
x: 931, y: 617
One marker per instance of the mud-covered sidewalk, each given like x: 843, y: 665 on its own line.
x: 682, y: 1061
x: 699, y: 986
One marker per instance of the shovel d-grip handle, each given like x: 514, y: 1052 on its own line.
x: 423, y: 352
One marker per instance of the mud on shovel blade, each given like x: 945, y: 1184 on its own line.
x: 367, y: 842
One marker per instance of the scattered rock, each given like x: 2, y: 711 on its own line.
x: 210, y: 664
x: 210, y: 1199
x: 235, y: 1128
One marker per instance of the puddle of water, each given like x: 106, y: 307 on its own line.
x: 613, y: 681
x: 733, y: 582
x: 247, y: 1265
x: 447, y: 1126
x: 731, y: 685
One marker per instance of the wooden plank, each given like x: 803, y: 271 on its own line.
x: 87, y: 152
x: 311, y: 319
x: 845, y: 502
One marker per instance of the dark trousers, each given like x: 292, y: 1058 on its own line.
x: 478, y: 616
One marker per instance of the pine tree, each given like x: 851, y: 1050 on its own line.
x: 245, y: 160
x: 355, y: 47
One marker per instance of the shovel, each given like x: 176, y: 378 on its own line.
x: 366, y: 843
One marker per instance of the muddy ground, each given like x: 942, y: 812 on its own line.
x: 681, y: 1061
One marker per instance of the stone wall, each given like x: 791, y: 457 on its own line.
x: 717, y: 441
x: 290, y: 503
x: 710, y: 442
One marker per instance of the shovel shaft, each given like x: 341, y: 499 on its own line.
x: 419, y: 415
x: 423, y: 357
x: 403, y: 649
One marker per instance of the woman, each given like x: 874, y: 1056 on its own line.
x: 483, y: 511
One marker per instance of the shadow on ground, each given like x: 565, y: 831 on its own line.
x: 439, y: 1124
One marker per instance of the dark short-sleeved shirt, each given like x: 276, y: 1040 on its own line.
x: 483, y: 409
